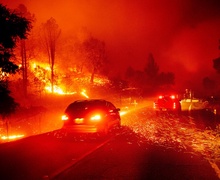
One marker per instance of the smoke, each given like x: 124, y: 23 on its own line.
x: 181, y: 34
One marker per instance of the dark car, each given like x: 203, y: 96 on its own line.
x: 170, y: 103
x: 91, y: 116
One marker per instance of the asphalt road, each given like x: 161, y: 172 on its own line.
x: 124, y: 158
x: 146, y: 147
x: 41, y: 156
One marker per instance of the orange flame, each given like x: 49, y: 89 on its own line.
x: 12, y: 137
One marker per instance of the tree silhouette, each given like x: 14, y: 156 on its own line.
x: 151, y: 68
x: 22, y: 10
x: 94, y: 51
x: 151, y: 71
x: 129, y: 73
x: 12, y: 28
x: 216, y: 64
x: 209, y: 84
x: 7, y: 104
x: 166, y: 79
x: 51, y: 33
x: 156, y: 79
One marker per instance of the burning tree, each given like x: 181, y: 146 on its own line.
x: 12, y: 28
x: 51, y: 33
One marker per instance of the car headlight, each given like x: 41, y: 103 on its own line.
x: 64, y: 117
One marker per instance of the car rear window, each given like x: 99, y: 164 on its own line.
x: 86, y: 105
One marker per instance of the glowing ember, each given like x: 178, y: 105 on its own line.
x: 12, y: 137
x: 83, y: 92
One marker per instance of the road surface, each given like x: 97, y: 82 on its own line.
x: 146, y: 147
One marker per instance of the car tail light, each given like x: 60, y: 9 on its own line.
x: 172, y: 97
x: 160, y: 97
x: 64, y: 117
x: 96, y: 117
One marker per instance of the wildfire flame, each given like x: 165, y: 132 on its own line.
x: 42, y: 73
x: 12, y: 137
x: 57, y: 90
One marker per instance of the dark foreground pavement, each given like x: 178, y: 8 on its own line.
x: 125, y: 158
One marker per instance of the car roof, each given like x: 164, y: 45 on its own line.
x: 100, y: 102
x: 90, y: 100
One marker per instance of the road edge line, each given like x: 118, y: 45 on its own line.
x: 69, y: 165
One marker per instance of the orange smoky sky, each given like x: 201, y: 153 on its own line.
x: 183, y: 36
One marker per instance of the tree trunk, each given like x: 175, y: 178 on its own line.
x: 24, y: 67
x: 92, y: 76
x: 52, y: 65
x: 52, y: 79
x: 7, y: 127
